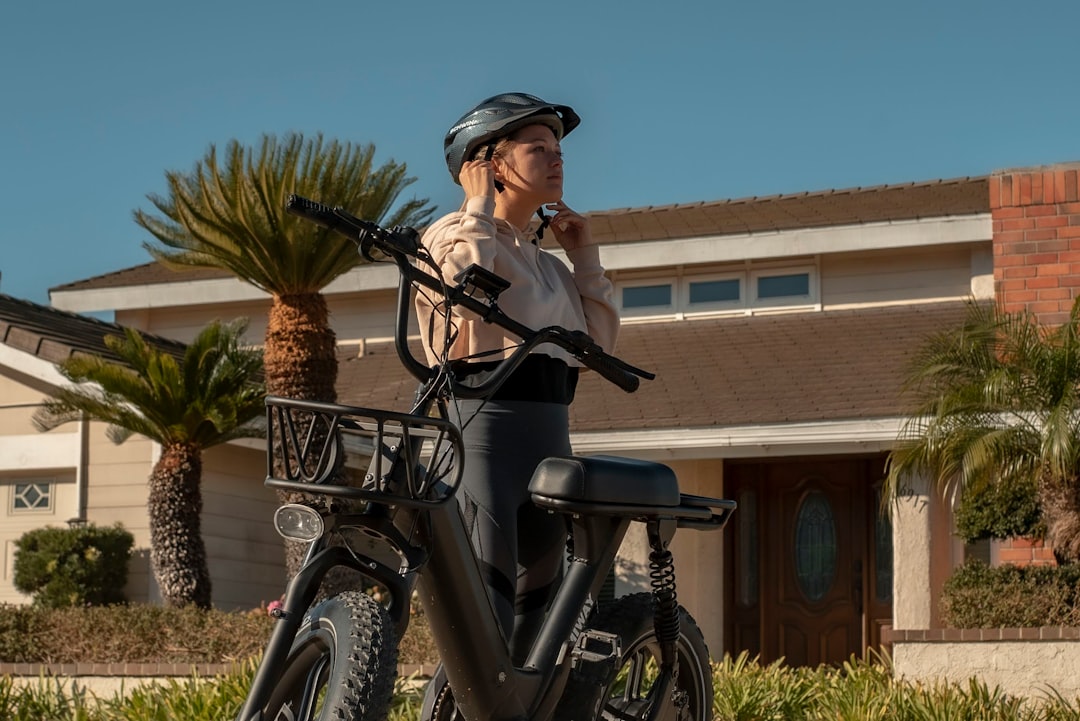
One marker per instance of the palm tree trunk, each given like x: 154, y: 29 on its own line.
x: 299, y: 362
x: 1060, y: 505
x: 177, y: 553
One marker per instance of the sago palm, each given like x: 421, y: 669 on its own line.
x: 229, y: 213
x: 208, y: 397
x: 997, y: 402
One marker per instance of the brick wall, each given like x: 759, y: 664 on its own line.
x: 1021, y: 552
x: 1036, y: 239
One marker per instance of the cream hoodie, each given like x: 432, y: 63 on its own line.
x: 542, y: 292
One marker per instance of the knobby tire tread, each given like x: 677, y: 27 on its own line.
x: 358, y: 637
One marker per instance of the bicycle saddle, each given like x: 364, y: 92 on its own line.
x: 605, y: 479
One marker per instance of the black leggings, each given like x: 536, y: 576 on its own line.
x: 520, y: 546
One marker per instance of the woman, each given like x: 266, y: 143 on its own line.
x: 506, y: 155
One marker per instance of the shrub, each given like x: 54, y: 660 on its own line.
x: 87, y: 565
x: 978, y: 596
x: 131, y: 634
x: 1000, y: 510
x: 153, y: 634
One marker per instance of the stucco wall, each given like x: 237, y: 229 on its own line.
x: 925, y: 552
x: 699, y: 556
x: 1018, y: 667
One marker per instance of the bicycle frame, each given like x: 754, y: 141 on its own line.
x: 471, y: 645
x: 474, y: 651
x: 429, y: 536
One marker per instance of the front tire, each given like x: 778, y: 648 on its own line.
x: 624, y: 691
x: 342, y: 665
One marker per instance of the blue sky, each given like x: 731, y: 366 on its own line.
x: 681, y: 101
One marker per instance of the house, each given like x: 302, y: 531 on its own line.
x: 779, y: 328
x: 74, y: 473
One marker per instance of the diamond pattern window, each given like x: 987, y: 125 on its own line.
x: 28, y: 497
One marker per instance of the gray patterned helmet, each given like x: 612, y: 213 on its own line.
x: 497, y: 117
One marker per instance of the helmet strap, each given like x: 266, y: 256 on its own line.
x: 545, y: 220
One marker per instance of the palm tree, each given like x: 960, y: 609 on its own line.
x: 232, y: 215
x: 998, y: 402
x: 208, y: 397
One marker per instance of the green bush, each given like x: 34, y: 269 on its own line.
x: 141, y: 633
x: 129, y: 634
x: 978, y: 596
x: 87, y: 565
x: 1000, y: 510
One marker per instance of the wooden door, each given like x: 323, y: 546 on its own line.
x: 806, y: 550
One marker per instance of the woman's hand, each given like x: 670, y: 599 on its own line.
x: 571, y: 228
x: 478, y: 178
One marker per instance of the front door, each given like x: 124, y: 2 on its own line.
x: 811, y: 557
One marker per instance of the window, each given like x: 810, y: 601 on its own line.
x: 656, y: 297
x: 814, y: 553
x: 737, y: 291
x: 783, y: 286
x: 726, y: 290
x: 746, y: 531
x: 30, y: 497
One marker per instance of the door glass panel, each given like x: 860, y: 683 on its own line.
x: 748, y: 547
x: 883, y: 554
x: 815, y: 546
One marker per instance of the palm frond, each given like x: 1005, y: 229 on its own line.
x: 994, y: 400
x: 229, y: 211
x: 204, y: 398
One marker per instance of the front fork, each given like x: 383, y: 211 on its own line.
x: 299, y: 595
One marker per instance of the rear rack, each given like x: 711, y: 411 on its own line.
x: 700, y: 513
x: 362, y: 454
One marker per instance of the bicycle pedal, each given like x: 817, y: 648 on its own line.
x: 596, y: 654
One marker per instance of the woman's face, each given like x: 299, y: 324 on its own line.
x: 532, y: 164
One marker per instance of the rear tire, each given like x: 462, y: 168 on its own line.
x: 625, y: 695
x: 342, y: 665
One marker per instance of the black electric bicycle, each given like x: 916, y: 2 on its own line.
x: 387, y: 482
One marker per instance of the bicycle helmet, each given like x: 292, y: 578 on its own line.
x: 497, y: 117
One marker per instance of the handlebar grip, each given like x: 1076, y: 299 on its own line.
x: 605, y: 366
x: 311, y: 210
x: 400, y: 239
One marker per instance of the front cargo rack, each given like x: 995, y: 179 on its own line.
x: 362, y: 454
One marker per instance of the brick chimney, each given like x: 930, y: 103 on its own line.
x: 1036, y: 239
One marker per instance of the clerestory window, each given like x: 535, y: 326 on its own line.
x: 744, y: 291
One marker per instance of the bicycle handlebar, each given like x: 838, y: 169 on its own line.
x: 401, y: 244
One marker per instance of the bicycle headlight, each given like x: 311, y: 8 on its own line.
x: 300, y: 523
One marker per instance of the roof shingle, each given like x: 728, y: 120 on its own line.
x: 834, y: 365
x: 719, y: 372
x: 55, y: 335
